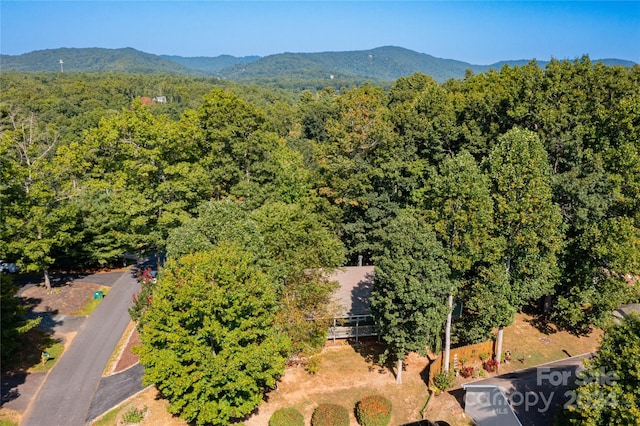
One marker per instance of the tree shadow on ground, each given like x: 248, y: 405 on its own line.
x: 57, y: 279
x: 540, y: 320
x: 458, y: 394
x: 425, y: 374
x: 48, y: 323
x: 14, y: 372
x: 10, y: 383
x: 373, y: 353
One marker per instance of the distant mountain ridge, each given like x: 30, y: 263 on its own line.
x: 210, y: 64
x: 94, y: 59
x: 386, y: 63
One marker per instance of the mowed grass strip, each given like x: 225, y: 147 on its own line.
x: 91, y: 304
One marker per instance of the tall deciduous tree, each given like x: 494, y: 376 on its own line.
x: 209, y: 341
x: 411, y: 285
x: 459, y: 204
x: 301, y: 253
x: 527, y: 222
x: 217, y: 222
x: 38, y: 221
x: 237, y: 141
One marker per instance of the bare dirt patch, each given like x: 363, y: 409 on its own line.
x: 64, y: 300
x: 347, y: 374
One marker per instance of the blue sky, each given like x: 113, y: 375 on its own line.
x: 477, y: 32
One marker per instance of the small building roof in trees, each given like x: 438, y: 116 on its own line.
x: 353, y: 294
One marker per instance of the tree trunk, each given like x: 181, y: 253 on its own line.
x: 399, y: 375
x: 547, y: 304
x: 47, y: 281
x: 447, y: 335
x: 499, y: 345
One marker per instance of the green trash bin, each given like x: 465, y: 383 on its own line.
x: 98, y: 294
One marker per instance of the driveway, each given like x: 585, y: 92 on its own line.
x: 66, y: 394
x: 536, y: 394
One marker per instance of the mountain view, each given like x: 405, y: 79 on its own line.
x: 381, y: 64
x: 367, y: 237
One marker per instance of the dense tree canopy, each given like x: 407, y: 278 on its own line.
x: 411, y: 285
x: 608, y: 391
x: 209, y: 343
x: 523, y: 182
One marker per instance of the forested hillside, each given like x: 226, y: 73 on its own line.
x: 497, y: 189
x: 210, y: 66
x: 382, y: 64
x: 93, y: 60
x: 303, y: 71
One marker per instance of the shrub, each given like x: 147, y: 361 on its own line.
x: 330, y: 415
x: 484, y: 356
x: 466, y: 371
x: 134, y: 415
x: 444, y: 380
x: 491, y: 365
x: 142, y: 300
x: 373, y: 410
x: 286, y: 417
x: 312, y: 365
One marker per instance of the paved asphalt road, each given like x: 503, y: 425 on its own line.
x: 66, y: 395
x: 114, y: 389
x: 536, y: 394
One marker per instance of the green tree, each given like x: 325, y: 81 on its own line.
x: 144, y: 167
x: 527, y: 221
x: 209, y: 343
x: 301, y: 253
x: 597, y: 187
x: 237, y: 142
x: 425, y: 118
x: 411, y: 285
x: 365, y: 169
x: 216, y: 222
x: 39, y: 222
x: 608, y: 391
x: 460, y: 206
x: 295, y: 239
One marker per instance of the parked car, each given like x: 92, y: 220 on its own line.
x: 8, y: 268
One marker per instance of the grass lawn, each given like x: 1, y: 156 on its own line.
x: 91, y: 304
x: 347, y: 373
x: 54, y: 349
x: 9, y: 418
x: 532, y: 344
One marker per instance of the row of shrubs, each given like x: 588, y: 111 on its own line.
x: 373, y: 410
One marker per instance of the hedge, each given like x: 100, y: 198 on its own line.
x: 373, y: 410
x: 330, y: 415
x: 286, y: 417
